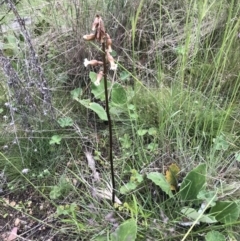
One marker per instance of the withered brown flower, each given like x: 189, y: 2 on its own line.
x: 109, y: 43
x: 89, y: 37
x: 98, y: 26
x: 99, y: 77
x: 95, y: 23
x: 92, y: 62
x: 113, y: 65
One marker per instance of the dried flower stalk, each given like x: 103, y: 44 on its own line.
x: 99, y: 33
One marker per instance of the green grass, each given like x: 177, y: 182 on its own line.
x: 182, y: 85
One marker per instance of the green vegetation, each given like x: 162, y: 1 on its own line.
x: 174, y: 104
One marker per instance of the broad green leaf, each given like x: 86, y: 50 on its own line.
x: 214, y: 236
x: 128, y: 187
x: 225, y: 212
x: 134, y: 182
x: 127, y: 231
x: 118, y: 95
x: 66, y: 121
x: 193, y: 183
x: 206, y: 218
x: 98, y: 109
x: 56, y: 139
x: 98, y: 91
x: 208, y: 197
x: 194, y: 215
x: 93, y: 76
x: 76, y: 93
x: 160, y: 180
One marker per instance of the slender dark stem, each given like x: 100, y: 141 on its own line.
x: 109, y: 121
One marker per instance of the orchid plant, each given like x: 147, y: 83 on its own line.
x: 99, y: 33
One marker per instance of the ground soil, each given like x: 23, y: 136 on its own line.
x: 31, y: 214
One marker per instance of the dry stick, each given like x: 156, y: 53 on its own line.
x: 109, y: 121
